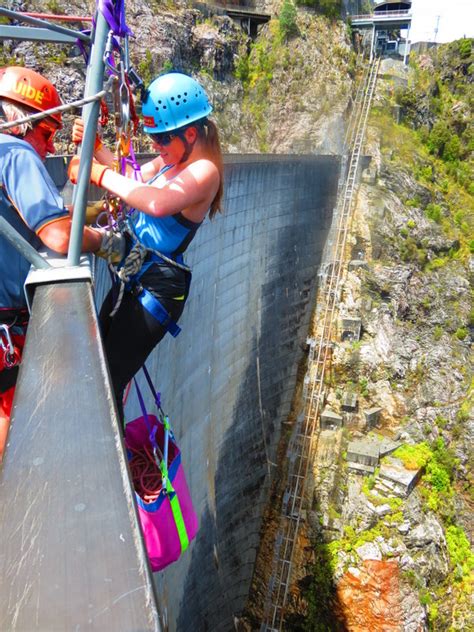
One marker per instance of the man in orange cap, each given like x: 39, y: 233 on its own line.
x: 30, y: 202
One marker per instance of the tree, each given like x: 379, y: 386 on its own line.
x: 287, y: 20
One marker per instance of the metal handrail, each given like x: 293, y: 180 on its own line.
x: 369, y: 16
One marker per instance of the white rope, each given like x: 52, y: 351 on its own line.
x: 132, y: 265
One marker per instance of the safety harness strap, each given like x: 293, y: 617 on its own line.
x: 156, y: 309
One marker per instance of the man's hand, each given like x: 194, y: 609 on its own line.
x: 93, y: 211
x: 78, y: 134
x: 97, y: 171
x: 113, y: 246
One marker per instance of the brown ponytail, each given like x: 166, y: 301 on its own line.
x: 210, y: 139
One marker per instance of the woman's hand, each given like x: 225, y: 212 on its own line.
x: 78, y: 134
x: 97, y: 171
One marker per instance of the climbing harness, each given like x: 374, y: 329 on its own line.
x: 152, y: 304
x: 128, y: 278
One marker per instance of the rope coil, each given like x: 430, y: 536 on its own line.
x: 146, y: 475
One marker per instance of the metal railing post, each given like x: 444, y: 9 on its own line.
x: 90, y: 112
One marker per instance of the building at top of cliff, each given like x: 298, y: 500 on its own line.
x: 383, y: 28
x: 388, y: 6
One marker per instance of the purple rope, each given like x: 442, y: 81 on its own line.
x: 81, y: 46
x: 151, y: 431
x: 114, y: 13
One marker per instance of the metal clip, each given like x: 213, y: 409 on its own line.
x: 11, y: 358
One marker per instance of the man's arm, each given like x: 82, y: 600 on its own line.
x: 56, y: 234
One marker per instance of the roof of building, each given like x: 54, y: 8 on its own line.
x: 366, y: 448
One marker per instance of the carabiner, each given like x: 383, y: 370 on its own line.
x: 6, y: 340
x: 11, y: 355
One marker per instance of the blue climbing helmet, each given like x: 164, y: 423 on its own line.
x: 173, y: 101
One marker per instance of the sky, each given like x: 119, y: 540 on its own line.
x: 456, y: 20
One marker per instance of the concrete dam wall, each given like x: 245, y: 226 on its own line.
x: 228, y: 380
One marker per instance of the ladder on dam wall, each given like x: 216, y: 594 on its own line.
x: 301, y: 448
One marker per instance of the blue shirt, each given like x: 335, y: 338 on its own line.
x: 29, y: 200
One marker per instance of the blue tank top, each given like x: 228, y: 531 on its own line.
x: 170, y: 235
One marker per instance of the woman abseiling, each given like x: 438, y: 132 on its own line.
x: 180, y: 187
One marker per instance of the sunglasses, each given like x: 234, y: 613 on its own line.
x: 163, y: 138
x: 48, y: 131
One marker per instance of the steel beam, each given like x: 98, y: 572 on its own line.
x: 90, y: 114
x: 27, y: 33
x: 17, y: 15
x: 71, y: 553
x: 23, y: 246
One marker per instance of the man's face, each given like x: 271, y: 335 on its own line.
x: 41, y: 138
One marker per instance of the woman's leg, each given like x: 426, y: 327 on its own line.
x: 130, y: 336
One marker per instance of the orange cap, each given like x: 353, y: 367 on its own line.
x: 27, y: 87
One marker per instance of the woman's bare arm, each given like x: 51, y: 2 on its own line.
x: 147, y: 170
x: 195, y: 185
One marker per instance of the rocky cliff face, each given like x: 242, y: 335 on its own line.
x: 388, y: 544
x: 269, y: 95
x: 379, y: 555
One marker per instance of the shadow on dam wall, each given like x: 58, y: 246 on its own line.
x: 228, y: 380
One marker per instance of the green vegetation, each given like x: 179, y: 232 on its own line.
x: 330, y: 8
x: 287, y: 20
x: 322, y: 590
x: 434, y: 212
x: 146, y: 68
x: 55, y: 6
x: 414, y: 456
x: 461, y: 333
x: 435, y: 142
x: 255, y: 71
x: 56, y: 55
x: 460, y: 553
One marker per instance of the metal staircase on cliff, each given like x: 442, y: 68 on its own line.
x: 301, y: 449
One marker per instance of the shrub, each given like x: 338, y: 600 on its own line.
x: 242, y: 69
x: 441, y: 421
x: 461, y: 333
x: 452, y: 149
x: 414, y: 456
x: 465, y: 47
x: 434, y: 212
x: 444, y: 456
x: 438, y: 477
x: 438, y: 138
x: 287, y: 20
x: 459, y: 550
x: 407, y: 98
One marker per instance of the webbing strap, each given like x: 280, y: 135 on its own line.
x: 156, y: 309
x: 151, y: 431
x: 114, y: 13
x: 178, y: 518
